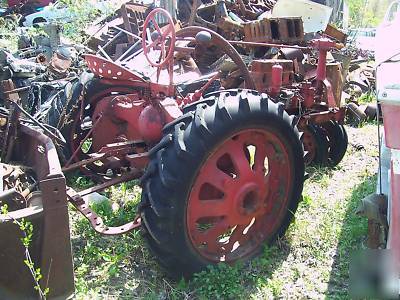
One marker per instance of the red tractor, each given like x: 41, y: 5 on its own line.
x: 222, y: 172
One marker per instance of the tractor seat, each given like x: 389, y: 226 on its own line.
x: 107, y: 69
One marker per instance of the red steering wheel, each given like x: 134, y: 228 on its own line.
x: 160, y: 37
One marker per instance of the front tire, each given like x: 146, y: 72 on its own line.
x: 226, y: 178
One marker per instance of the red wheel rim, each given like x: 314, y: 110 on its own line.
x: 240, y: 196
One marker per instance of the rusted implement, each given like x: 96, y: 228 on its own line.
x: 34, y: 189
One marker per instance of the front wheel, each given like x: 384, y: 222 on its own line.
x: 227, y: 178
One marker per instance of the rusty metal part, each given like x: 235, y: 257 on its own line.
x: 374, y: 208
x: 335, y: 33
x: 82, y: 205
x: 258, y: 44
x: 118, y: 35
x: 9, y: 91
x: 10, y: 133
x: 335, y: 77
x: 79, y: 148
x: 253, y: 8
x: 223, y: 44
x: 48, y: 212
x: 261, y: 71
x: 355, y: 114
x: 276, y: 30
x: 321, y: 116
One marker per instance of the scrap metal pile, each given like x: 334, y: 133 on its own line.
x: 206, y: 111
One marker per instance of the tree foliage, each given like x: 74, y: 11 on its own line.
x: 367, y: 13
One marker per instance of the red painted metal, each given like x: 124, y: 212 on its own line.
x: 393, y: 242
x: 39, y: 3
x: 391, y: 113
x: 162, y: 36
x: 324, y: 45
x: 239, y: 196
x: 150, y: 124
x: 277, y: 79
x: 104, y: 68
x: 308, y: 93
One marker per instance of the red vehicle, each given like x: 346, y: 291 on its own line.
x: 37, y: 3
x: 383, y: 208
x: 222, y: 171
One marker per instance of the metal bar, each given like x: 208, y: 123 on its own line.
x: 133, y: 55
x: 123, y: 178
x: 127, y: 32
x: 17, y: 90
x: 83, y: 162
x: 127, y: 51
x: 112, y: 40
x: 38, y: 123
x: 83, y: 141
x: 254, y: 44
x: 95, y: 221
x: 104, y: 52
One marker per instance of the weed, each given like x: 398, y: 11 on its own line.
x: 306, y: 201
x: 219, y: 282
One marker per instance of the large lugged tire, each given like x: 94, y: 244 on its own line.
x: 337, y: 141
x: 225, y: 179
x: 315, y: 145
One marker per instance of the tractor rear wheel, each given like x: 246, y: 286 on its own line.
x: 225, y: 179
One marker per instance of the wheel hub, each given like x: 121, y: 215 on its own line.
x: 248, y: 200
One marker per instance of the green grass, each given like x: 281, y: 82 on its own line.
x: 311, y: 261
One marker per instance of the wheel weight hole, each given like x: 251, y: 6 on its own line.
x: 210, y: 192
x: 224, y: 237
x: 206, y: 223
x: 251, y: 151
x: 225, y: 164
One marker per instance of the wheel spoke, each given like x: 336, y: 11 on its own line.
x: 273, y: 160
x: 156, y: 25
x: 211, y: 174
x: 239, y: 159
x: 210, y: 208
x: 162, y: 46
x: 166, y: 31
x: 153, y: 44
